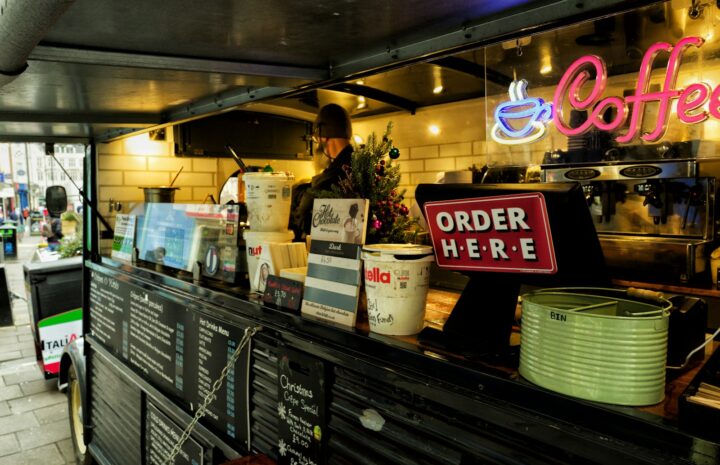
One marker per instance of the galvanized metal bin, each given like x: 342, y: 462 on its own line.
x: 601, y: 345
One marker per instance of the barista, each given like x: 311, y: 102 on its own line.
x: 331, y: 134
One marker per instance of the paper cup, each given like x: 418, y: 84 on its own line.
x: 254, y: 241
x: 397, y: 278
x: 267, y: 196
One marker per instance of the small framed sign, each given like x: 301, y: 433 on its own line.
x: 283, y: 293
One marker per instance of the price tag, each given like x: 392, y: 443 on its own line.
x: 283, y: 293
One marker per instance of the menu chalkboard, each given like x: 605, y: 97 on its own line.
x: 175, y: 347
x: 216, y: 344
x: 161, y: 435
x: 301, y: 424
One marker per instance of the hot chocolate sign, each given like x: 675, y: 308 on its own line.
x: 695, y: 103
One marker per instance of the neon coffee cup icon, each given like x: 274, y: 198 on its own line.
x: 535, y: 112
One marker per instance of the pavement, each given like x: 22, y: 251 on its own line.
x: 34, y: 425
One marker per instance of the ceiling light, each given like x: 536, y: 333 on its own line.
x: 546, y: 69
x: 358, y: 140
x: 360, y: 82
x: 434, y: 129
x: 362, y: 103
x: 438, y: 89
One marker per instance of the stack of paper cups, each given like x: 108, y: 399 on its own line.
x: 267, y: 196
x: 254, y: 243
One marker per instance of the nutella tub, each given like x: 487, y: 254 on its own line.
x: 397, y: 278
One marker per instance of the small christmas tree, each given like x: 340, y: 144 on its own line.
x: 374, y: 176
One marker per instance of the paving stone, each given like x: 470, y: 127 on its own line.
x: 23, y: 374
x: 15, y: 423
x: 44, y: 434
x: 52, y: 414
x: 10, y: 392
x: 4, y: 409
x: 36, y: 401
x: 67, y: 450
x: 10, y: 355
x: 8, y: 340
x: 46, y: 455
x: 40, y: 385
x: 8, y: 445
x: 25, y: 337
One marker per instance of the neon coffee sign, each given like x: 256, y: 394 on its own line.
x: 521, y: 107
x: 695, y: 103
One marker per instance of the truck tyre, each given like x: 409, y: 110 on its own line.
x: 75, y: 413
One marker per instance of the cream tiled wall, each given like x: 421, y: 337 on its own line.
x: 424, y: 155
x: 126, y: 165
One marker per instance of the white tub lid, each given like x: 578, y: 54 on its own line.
x: 399, y: 249
x: 268, y: 175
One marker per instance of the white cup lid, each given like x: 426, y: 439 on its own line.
x: 399, y: 249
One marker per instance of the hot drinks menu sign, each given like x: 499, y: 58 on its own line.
x: 506, y: 233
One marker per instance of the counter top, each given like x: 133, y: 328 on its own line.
x: 494, y: 382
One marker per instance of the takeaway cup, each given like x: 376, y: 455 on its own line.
x: 397, y: 277
x: 267, y: 196
x: 254, y: 243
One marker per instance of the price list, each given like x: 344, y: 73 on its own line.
x: 176, y: 347
x: 217, y: 343
x: 108, y: 298
x: 161, y: 436
x: 301, y: 409
x: 153, y: 340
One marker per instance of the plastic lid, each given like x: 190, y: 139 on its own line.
x: 270, y: 235
x: 276, y: 174
x: 399, y: 249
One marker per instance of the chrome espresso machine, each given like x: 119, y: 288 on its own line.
x: 653, y: 206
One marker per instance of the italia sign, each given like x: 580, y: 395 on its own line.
x: 695, y: 103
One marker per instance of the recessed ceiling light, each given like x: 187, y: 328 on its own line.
x: 546, y: 69
x: 357, y: 139
x: 360, y: 82
x: 438, y: 89
x: 434, y: 129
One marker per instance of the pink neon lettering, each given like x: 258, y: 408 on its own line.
x: 714, y: 105
x: 690, y: 99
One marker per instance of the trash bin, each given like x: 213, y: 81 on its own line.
x: 54, y: 292
x: 6, y: 318
x: 8, y: 232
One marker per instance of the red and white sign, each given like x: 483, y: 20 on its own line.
x: 506, y: 233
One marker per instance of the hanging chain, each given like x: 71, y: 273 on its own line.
x: 202, y: 409
x: 518, y: 48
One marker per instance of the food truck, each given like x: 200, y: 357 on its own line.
x: 578, y: 145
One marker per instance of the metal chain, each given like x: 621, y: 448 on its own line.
x: 202, y: 409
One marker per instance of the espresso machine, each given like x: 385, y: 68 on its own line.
x: 653, y: 207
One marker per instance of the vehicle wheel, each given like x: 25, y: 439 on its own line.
x: 75, y: 413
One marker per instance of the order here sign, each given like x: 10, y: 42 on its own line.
x: 506, y: 233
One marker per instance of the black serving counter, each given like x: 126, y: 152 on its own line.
x: 306, y: 392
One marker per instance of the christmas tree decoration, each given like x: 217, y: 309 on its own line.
x: 374, y: 176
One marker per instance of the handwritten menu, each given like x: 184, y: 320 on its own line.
x: 301, y: 409
x: 180, y: 351
x: 283, y: 293
x: 161, y: 435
